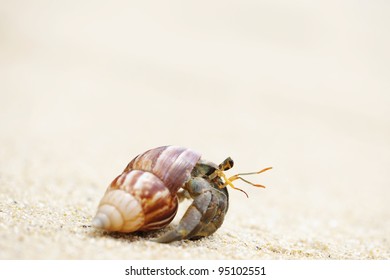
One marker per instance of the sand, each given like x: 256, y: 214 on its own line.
x: 303, y: 88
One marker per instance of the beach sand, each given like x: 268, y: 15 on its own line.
x: 303, y: 88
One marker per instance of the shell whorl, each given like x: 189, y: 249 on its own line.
x: 172, y: 164
x: 135, y: 200
x: 144, y: 197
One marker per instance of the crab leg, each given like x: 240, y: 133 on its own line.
x: 198, y: 215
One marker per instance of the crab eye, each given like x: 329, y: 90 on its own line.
x: 226, y: 164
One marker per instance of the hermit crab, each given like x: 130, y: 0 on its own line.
x: 146, y: 195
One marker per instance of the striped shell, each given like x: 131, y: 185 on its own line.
x: 144, y: 197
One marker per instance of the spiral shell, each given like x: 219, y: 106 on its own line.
x: 144, y: 197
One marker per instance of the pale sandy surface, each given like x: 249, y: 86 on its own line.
x: 301, y: 87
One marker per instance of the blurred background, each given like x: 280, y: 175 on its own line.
x: 302, y: 86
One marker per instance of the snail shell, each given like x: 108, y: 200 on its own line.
x: 144, y: 196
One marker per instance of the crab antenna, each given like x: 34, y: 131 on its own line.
x: 252, y: 173
x: 228, y: 181
x: 235, y: 177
